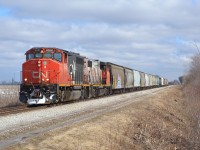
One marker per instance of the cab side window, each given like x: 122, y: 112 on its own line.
x: 29, y: 56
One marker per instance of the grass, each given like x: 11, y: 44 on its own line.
x: 159, y: 122
x: 9, y: 95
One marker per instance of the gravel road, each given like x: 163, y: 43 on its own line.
x: 19, y: 127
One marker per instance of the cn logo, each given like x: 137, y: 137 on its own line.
x: 38, y: 75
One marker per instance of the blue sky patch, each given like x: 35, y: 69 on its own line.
x: 194, y: 2
x: 4, y: 12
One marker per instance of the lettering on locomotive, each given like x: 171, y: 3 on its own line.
x: 37, y: 75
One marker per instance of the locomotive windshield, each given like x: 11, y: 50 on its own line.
x: 48, y: 53
x: 38, y: 55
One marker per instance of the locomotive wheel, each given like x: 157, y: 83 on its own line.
x: 62, y: 99
x: 105, y: 91
x: 85, y: 94
x: 93, y: 93
x: 82, y: 95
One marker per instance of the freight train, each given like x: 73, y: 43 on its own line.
x: 52, y: 75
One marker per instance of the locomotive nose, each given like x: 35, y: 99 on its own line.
x: 36, y: 71
x: 43, y: 71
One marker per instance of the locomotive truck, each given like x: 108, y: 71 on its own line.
x: 52, y: 75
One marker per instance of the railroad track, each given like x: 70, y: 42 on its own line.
x: 24, y: 108
x: 17, y: 109
x: 4, y: 111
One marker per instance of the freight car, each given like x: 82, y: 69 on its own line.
x: 52, y: 75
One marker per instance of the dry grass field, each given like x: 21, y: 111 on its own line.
x: 159, y: 122
x: 9, y: 95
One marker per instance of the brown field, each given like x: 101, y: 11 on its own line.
x: 9, y: 95
x: 159, y: 122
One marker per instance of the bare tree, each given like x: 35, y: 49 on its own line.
x: 192, y: 94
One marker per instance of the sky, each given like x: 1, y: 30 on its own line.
x: 154, y: 36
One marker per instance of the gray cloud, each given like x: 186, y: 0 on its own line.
x: 149, y: 35
x: 174, y: 12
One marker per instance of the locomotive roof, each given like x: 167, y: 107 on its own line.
x: 54, y: 48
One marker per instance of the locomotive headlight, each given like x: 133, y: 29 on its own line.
x: 25, y: 79
x: 39, y: 63
x: 47, y: 79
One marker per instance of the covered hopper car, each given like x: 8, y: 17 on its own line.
x: 52, y: 75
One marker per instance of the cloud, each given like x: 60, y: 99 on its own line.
x: 118, y: 11
x: 149, y: 35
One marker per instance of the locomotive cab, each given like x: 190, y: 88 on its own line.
x: 42, y: 66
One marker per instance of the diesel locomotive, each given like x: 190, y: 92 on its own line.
x: 51, y: 75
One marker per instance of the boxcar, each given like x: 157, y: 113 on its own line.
x: 147, y: 80
x: 137, y: 79
x: 162, y: 81
x: 142, y: 75
x: 117, y: 76
x: 165, y: 82
x: 150, y: 80
x: 129, y: 78
x: 157, y: 80
x: 153, y: 80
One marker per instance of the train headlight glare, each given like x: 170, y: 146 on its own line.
x: 25, y: 79
x: 47, y: 79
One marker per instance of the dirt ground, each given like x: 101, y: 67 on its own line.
x: 159, y: 122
